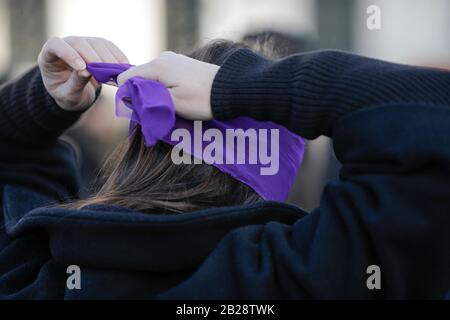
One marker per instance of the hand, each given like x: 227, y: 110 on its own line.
x: 63, y: 67
x: 188, y: 80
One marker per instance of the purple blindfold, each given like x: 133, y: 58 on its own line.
x: 263, y: 155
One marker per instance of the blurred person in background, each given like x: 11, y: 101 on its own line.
x: 234, y: 245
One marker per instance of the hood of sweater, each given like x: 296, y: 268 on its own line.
x: 111, y: 237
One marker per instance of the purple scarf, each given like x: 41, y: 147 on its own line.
x: 149, y: 104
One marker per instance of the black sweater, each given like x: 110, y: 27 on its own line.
x: 389, y: 208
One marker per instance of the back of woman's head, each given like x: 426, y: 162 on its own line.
x: 146, y: 179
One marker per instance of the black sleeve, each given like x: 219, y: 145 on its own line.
x: 31, y: 156
x: 28, y: 114
x: 36, y: 169
x: 307, y: 93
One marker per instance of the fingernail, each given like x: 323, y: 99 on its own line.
x: 84, y: 73
x: 79, y: 64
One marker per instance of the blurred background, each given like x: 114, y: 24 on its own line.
x: 412, y: 31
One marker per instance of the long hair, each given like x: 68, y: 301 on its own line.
x: 146, y: 179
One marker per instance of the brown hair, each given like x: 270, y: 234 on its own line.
x: 146, y: 179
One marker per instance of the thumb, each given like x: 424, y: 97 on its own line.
x: 73, y: 93
x: 148, y: 71
x: 77, y: 81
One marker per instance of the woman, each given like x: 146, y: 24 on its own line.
x: 389, y: 209
x: 136, y: 179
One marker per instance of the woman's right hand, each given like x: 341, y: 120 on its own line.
x: 188, y: 80
x: 62, y: 63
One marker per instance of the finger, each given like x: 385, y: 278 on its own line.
x: 118, y: 54
x: 56, y: 48
x: 85, y: 77
x: 72, y: 89
x: 101, y: 50
x: 84, y: 49
x: 148, y: 71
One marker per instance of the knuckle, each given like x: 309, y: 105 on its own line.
x: 73, y: 42
x: 51, y: 42
x: 71, y: 39
x: 156, y: 63
x: 39, y: 58
x: 157, y: 66
x: 98, y: 40
x: 54, y: 39
x: 41, y: 54
x: 167, y: 54
x: 43, y: 51
x: 110, y: 43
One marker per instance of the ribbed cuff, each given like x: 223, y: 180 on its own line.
x: 29, y: 114
x: 225, y: 89
x: 308, y: 93
x: 291, y: 92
